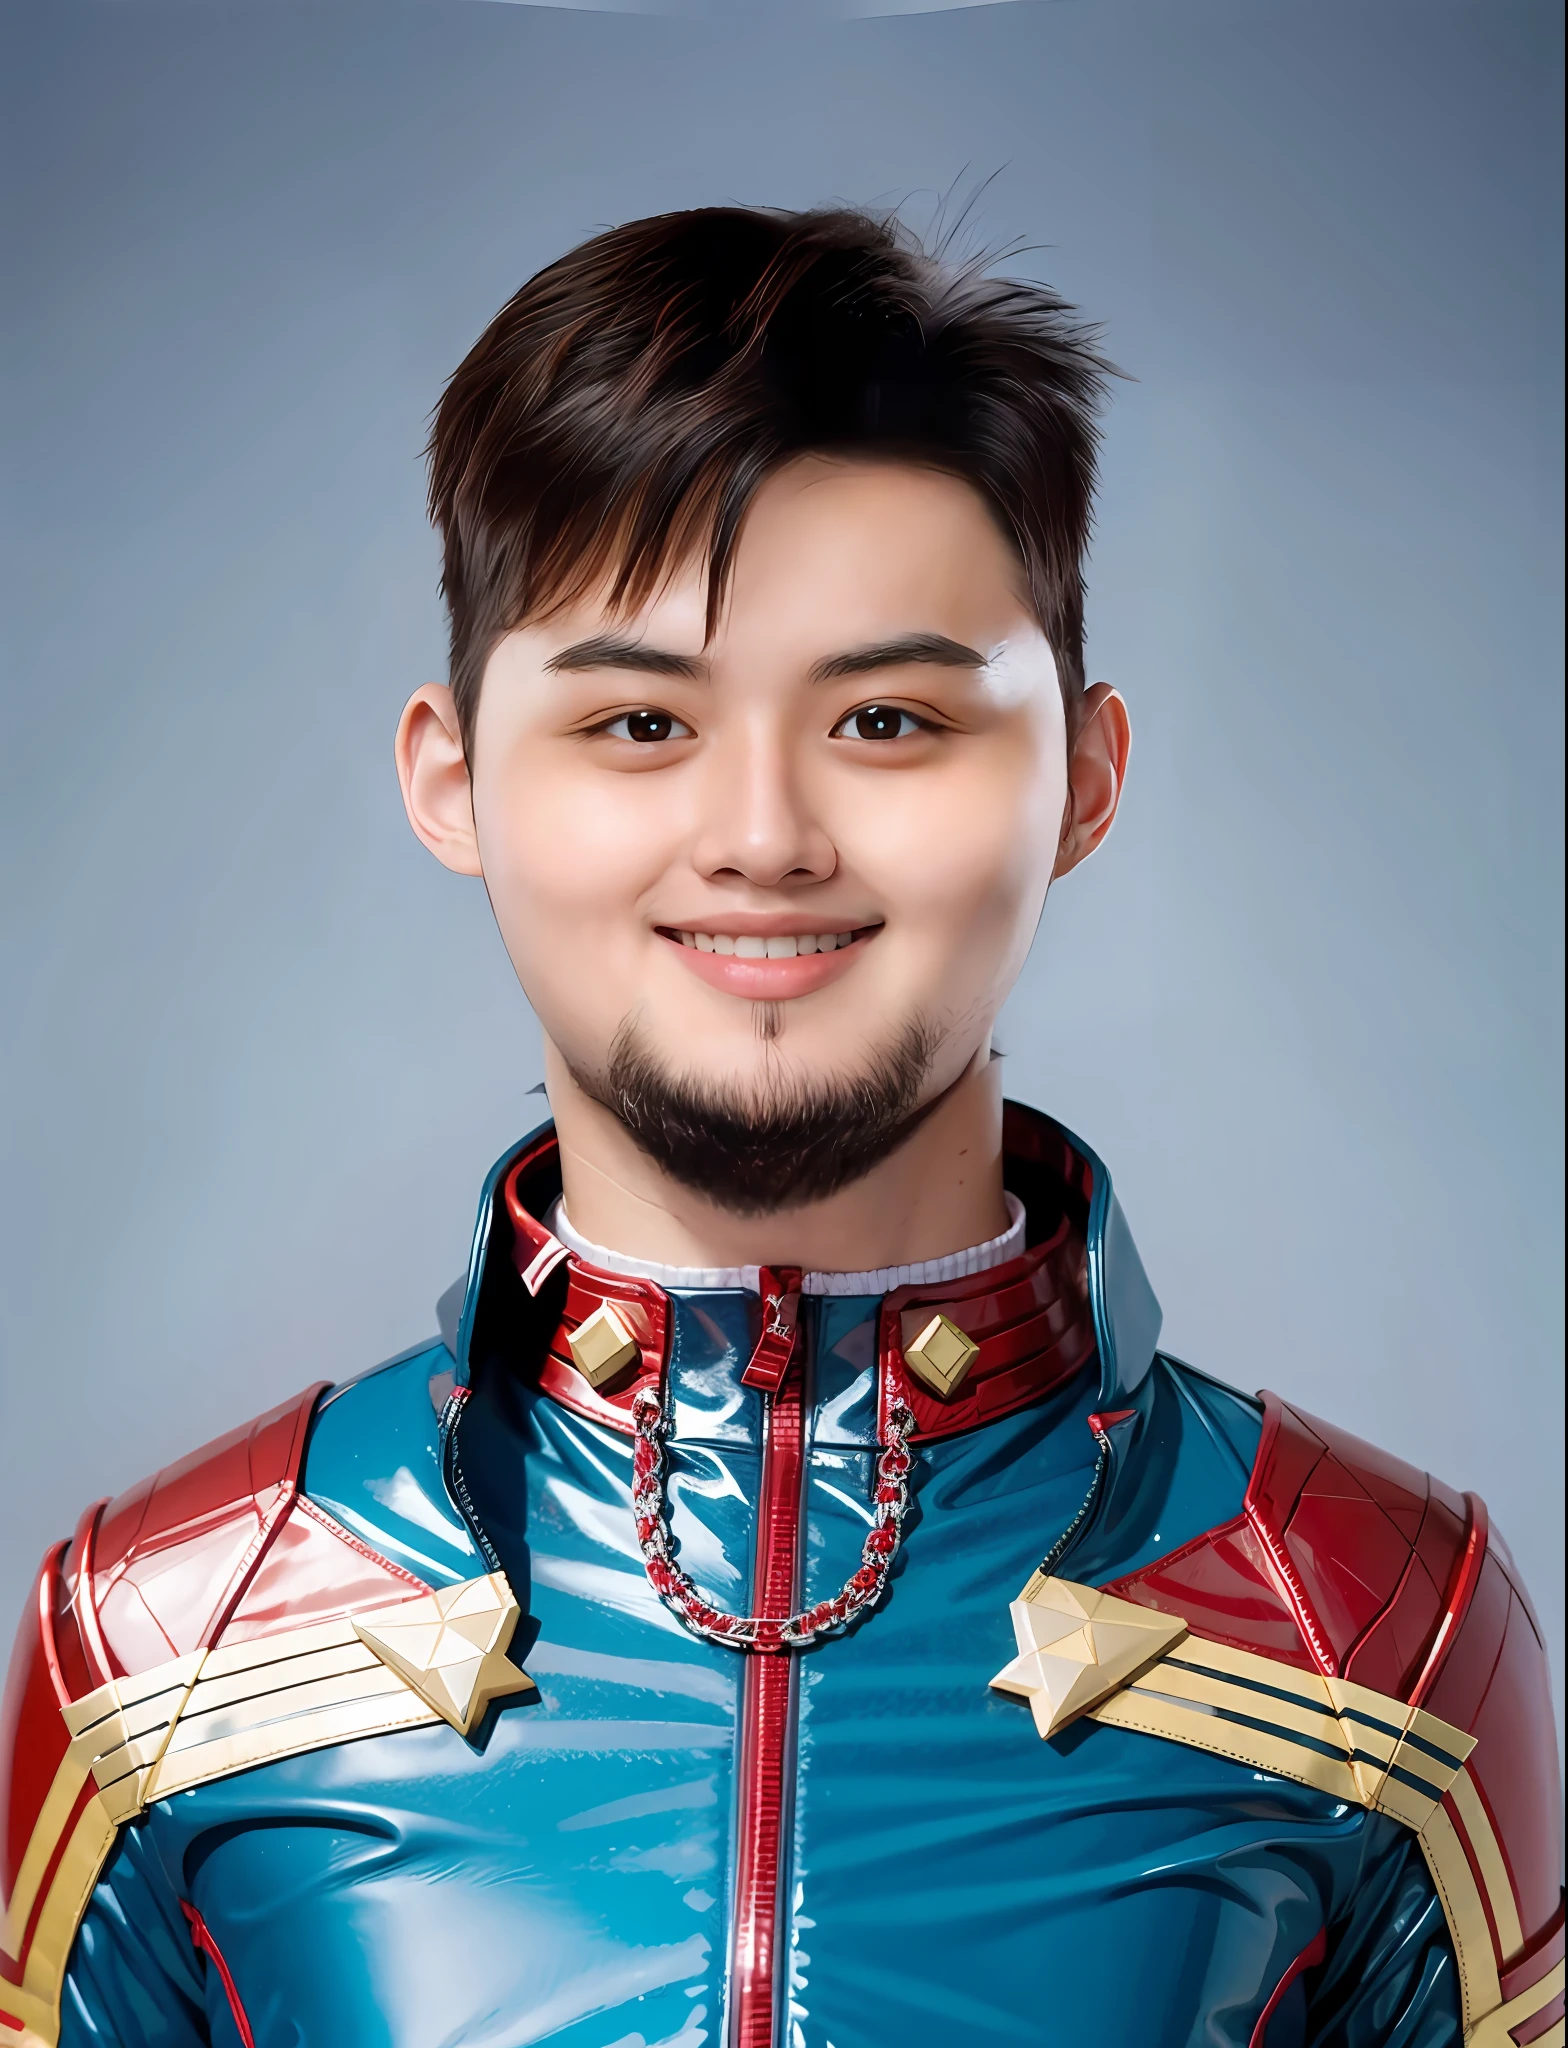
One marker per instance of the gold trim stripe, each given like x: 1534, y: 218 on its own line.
x: 207, y: 1716
x: 1495, y: 2029
x: 1477, y: 1824
x: 297, y: 1696
x: 120, y: 1731
x: 165, y: 1731
x: 376, y: 1704
x: 211, y: 1713
x: 1466, y: 1916
x: 36, y: 2000
x: 1489, y: 2019
x: 1363, y: 1747
x: 90, y: 1843
x: 1342, y: 1739
x: 61, y: 1797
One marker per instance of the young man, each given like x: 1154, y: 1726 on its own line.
x: 796, y: 1602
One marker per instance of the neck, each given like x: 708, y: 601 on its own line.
x: 940, y: 1192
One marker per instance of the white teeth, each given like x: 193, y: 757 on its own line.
x: 785, y: 948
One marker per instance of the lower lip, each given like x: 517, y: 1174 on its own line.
x: 771, y: 981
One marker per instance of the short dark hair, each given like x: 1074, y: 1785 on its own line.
x: 623, y: 408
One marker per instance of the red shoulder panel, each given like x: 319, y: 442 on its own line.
x: 221, y: 1546
x: 166, y: 1561
x: 1343, y: 1559
x: 1350, y: 1562
x: 1494, y: 1682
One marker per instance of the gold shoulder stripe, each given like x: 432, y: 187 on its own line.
x: 284, y: 1713
x: 438, y: 1656
x: 1477, y: 1824
x: 120, y: 1731
x: 1344, y: 1740
x: 1373, y: 1751
x: 1465, y: 1913
x: 1467, y: 1866
x: 1497, y: 2028
x: 34, y: 2004
x: 53, y: 1818
x: 1082, y: 1651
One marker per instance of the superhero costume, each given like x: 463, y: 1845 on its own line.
x: 277, y: 1775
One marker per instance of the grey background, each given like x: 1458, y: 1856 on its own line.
x: 258, y: 1049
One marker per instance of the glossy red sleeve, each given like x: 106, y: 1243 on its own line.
x: 1349, y: 1562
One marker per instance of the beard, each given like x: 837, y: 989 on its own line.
x: 793, y: 1141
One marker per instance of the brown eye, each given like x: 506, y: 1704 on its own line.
x: 648, y: 726
x: 877, y: 722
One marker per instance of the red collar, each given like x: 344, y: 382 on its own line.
x: 1030, y: 1317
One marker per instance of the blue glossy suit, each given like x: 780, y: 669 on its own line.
x: 566, y: 1876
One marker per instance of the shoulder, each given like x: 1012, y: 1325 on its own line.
x: 308, y: 1511
x: 236, y: 1544
x: 158, y: 1571
x: 1341, y: 1559
x: 147, y: 1579
x: 1197, y: 1412
x: 1349, y: 1563
x: 374, y: 1462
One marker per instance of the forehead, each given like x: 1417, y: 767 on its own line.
x: 832, y: 547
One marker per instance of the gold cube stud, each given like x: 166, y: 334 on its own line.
x: 602, y: 1346
x: 941, y: 1355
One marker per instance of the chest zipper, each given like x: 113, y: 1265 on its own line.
x: 766, y: 1787
x: 774, y: 1629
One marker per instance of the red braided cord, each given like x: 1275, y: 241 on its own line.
x: 862, y: 1589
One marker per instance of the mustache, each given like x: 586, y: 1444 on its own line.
x: 759, y: 1152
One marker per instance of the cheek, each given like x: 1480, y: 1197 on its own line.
x: 567, y: 856
x: 963, y: 863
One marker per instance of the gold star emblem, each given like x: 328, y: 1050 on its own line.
x: 1076, y: 1646
x: 450, y: 1647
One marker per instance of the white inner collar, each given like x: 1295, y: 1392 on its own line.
x: 923, y: 1273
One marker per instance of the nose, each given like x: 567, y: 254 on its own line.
x: 758, y: 824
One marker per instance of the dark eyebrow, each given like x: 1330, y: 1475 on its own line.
x: 934, y: 648
x: 608, y: 650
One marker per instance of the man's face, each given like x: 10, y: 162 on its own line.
x: 768, y: 860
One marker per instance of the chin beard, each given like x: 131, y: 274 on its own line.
x: 790, y: 1143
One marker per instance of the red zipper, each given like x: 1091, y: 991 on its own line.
x: 766, y: 1700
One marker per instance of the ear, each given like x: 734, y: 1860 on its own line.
x: 1096, y: 770
x: 432, y: 771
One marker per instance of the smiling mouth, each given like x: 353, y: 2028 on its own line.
x: 779, y: 946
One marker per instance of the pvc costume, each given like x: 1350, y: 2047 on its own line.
x: 748, y: 1668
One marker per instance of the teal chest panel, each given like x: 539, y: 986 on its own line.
x: 566, y: 1878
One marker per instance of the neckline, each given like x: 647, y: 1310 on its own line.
x: 519, y: 1273
x: 959, y: 1265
